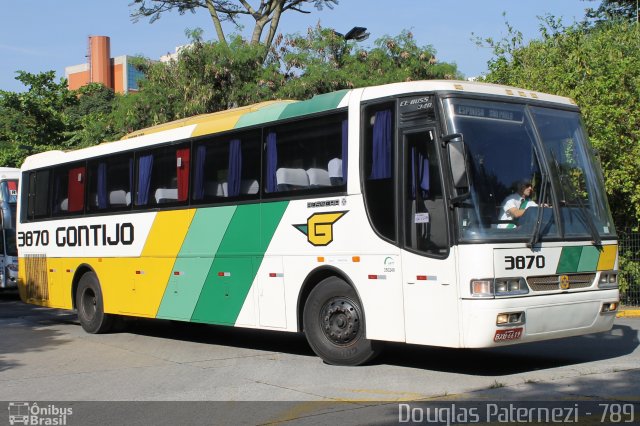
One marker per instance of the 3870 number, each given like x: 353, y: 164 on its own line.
x: 524, y: 262
x: 33, y: 238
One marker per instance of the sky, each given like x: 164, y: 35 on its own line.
x: 38, y: 36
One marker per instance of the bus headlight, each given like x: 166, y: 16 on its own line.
x: 511, y: 286
x: 608, y: 280
x: 12, y: 267
x: 499, y: 287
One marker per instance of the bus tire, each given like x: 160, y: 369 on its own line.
x: 91, y: 306
x: 334, y: 324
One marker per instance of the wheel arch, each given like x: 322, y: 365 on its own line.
x: 314, y: 278
x: 80, y: 271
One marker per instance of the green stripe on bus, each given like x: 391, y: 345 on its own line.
x: 589, y: 259
x: 318, y: 103
x: 263, y: 115
x: 194, y: 262
x: 569, y: 259
x: 237, y: 261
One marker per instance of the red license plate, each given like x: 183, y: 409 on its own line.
x: 508, y: 334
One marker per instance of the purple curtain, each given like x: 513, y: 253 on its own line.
x: 345, y: 150
x: 235, y: 168
x: 145, y: 166
x: 423, y: 174
x: 272, y: 162
x: 198, y: 176
x: 130, y: 175
x: 103, y: 200
x: 381, y: 161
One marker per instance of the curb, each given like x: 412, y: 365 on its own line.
x: 628, y: 313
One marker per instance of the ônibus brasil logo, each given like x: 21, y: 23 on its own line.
x: 319, y: 227
x: 25, y: 413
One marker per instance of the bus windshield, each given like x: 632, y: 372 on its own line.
x: 531, y: 159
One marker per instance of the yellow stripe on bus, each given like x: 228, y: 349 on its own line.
x: 607, y: 259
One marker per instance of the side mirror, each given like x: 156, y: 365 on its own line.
x: 458, y: 162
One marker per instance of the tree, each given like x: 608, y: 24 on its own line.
x: 268, y: 12
x: 34, y: 120
x: 614, y: 9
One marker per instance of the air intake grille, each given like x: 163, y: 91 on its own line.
x: 552, y: 282
x: 37, y: 284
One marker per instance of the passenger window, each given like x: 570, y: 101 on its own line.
x: 162, y: 176
x: 227, y: 168
x: 38, y: 197
x: 68, y: 190
x: 308, y: 156
x: 109, y: 183
x: 379, y: 159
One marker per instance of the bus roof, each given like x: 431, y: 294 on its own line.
x: 9, y: 173
x: 270, y: 111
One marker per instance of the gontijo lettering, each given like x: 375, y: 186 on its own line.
x: 80, y: 236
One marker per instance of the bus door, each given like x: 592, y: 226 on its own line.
x: 428, y: 264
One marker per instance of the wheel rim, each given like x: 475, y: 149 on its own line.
x: 340, y: 320
x: 89, y: 304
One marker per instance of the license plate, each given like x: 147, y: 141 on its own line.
x: 508, y: 334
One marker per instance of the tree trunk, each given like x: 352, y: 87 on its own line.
x: 216, y: 22
x: 274, y: 25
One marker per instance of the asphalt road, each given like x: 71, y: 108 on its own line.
x: 46, y: 356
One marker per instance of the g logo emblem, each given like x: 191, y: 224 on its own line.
x: 319, y: 227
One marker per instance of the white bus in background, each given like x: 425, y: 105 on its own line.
x: 9, y: 178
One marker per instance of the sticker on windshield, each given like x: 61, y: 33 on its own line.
x: 421, y: 218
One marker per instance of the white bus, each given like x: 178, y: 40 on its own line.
x: 356, y: 217
x: 9, y: 178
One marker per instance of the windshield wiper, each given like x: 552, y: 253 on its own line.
x: 535, y: 236
x: 588, y: 219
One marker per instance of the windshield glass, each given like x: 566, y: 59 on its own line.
x: 9, y: 191
x: 514, y: 182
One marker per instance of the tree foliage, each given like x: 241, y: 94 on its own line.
x: 599, y: 67
x: 34, y: 120
x: 266, y: 14
x: 614, y: 9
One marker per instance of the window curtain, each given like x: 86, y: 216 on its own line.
x: 235, y: 168
x: 76, y: 189
x: 145, y: 166
x: 423, y: 174
x: 103, y: 199
x: 272, y: 162
x: 345, y: 150
x: 183, y: 173
x: 198, y: 174
x: 381, y: 158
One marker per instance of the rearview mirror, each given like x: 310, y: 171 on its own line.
x: 458, y: 162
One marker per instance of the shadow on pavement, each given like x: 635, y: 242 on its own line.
x: 23, y: 328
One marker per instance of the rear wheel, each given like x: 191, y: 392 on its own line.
x: 334, y: 324
x: 90, y: 306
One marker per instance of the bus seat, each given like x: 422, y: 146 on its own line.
x: 166, y: 195
x: 291, y: 179
x: 64, y: 205
x: 249, y: 186
x: 127, y: 198
x: 335, y: 171
x: 118, y: 198
x: 216, y: 189
x: 318, y: 177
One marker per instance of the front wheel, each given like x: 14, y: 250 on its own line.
x: 333, y: 322
x: 91, y: 307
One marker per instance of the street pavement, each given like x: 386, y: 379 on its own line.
x: 275, y: 377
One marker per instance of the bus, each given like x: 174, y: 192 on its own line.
x: 9, y: 178
x: 356, y: 217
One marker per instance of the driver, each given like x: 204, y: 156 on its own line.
x: 514, y: 206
